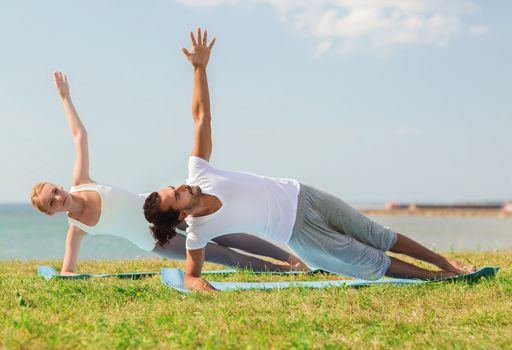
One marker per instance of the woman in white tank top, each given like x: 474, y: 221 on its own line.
x: 102, y: 209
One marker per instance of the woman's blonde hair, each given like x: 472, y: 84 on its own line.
x: 34, y: 196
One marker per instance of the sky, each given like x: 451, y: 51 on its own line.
x: 372, y: 100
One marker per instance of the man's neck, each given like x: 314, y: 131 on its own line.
x: 207, y: 205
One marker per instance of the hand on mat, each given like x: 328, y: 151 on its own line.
x: 61, y: 83
x: 200, y: 53
x: 66, y: 273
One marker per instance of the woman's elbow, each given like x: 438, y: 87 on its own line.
x: 80, y: 135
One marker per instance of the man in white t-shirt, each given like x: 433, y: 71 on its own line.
x: 322, y: 230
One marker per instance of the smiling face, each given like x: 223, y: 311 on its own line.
x: 182, y: 197
x: 53, y: 199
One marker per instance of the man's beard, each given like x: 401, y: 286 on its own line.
x: 198, y: 192
x: 196, y: 195
x: 191, y: 189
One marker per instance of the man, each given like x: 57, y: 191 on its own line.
x: 322, y: 230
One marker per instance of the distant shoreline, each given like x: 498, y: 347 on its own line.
x: 394, y: 211
x: 441, y: 212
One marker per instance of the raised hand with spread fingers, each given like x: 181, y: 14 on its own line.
x: 200, y: 52
x: 61, y: 84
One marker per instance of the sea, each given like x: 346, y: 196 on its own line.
x: 26, y: 234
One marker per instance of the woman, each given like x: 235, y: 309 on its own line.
x: 96, y: 208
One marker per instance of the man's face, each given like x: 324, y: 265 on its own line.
x: 182, y: 197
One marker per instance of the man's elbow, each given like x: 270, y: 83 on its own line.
x: 202, y: 118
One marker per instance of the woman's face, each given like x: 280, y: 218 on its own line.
x: 54, y: 199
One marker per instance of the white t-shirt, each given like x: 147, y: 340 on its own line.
x: 250, y: 203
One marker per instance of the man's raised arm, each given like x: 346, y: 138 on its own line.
x: 199, y: 57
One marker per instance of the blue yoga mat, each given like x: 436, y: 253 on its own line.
x: 174, y: 278
x: 48, y: 272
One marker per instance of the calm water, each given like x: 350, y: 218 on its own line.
x: 26, y: 234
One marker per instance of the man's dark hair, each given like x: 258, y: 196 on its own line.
x: 164, y: 222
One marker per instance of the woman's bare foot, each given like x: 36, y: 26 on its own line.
x: 278, y: 267
x: 296, y: 264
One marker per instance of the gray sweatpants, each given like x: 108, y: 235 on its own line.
x: 331, y: 235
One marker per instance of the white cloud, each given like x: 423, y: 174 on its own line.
x: 378, y: 26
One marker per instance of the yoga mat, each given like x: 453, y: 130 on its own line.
x: 228, y: 271
x: 49, y: 272
x: 174, y: 278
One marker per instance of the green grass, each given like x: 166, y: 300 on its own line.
x: 119, y: 314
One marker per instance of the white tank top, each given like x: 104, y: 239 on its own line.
x: 121, y: 215
x: 250, y: 203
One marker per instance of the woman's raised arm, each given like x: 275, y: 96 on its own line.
x: 81, y: 168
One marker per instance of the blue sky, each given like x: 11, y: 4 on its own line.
x: 371, y: 100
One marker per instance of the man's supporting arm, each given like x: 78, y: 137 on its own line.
x: 194, y: 265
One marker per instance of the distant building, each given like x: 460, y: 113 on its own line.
x: 496, y: 205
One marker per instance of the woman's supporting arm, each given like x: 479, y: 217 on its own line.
x: 73, y: 240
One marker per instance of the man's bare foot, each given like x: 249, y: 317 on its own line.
x: 457, y: 266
